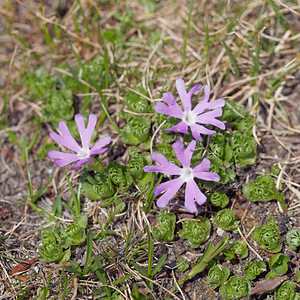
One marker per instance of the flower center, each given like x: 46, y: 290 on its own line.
x: 187, y: 174
x: 83, y: 153
x: 188, y: 117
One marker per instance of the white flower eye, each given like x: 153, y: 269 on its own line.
x: 83, y: 153
x: 188, y: 117
x: 187, y: 174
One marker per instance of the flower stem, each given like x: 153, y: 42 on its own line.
x: 76, y: 201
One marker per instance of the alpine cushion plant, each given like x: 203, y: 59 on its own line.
x: 203, y: 113
x: 83, y: 154
x: 186, y: 175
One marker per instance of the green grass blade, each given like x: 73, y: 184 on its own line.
x: 278, y: 80
x: 85, y: 22
x: 106, y: 67
x: 104, y: 107
x: 280, y: 17
x: 57, y: 207
x: 159, y: 265
x: 187, y: 30
x: 41, y: 191
x: 232, y: 59
x: 207, y: 44
x: 140, y: 269
x: 150, y: 252
x: 208, y: 255
x: 89, y: 245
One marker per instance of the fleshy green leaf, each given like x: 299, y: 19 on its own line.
x: 293, y: 238
x: 278, y: 263
x: 217, y: 275
x: 267, y: 236
x: 136, y: 130
x: 58, y: 106
x: 50, y: 251
x: 240, y: 249
x: 244, y: 149
x: 226, y: 220
x: 135, y: 102
x: 136, y: 163
x: 104, y: 187
x: 235, y: 288
x: 119, y: 175
x: 286, y: 291
x: 260, y: 190
x: 253, y: 269
x: 226, y: 174
x: 195, y: 232
x: 219, y: 199
x: 182, y: 264
x: 165, y: 229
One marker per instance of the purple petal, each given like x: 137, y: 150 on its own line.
x: 217, y: 123
x: 216, y: 103
x: 199, y: 108
x: 209, y: 118
x: 98, y: 147
x: 184, y: 156
x: 206, y: 93
x: 54, y: 154
x: 194, y: 89
x: 211, y: 114
x: 66, y: 139
x: 192, y: 194
x: 169, y: 98
x: 180, y: 127
x: 80, y: 163
x: 98, y: 151
x: 197, y: 130
x: 184, y: 97
x: 178, y: 149
x: 171, y: 110
x: 85, y: 133
x: 203, y: 166
x: 170, y: 187
x: 202, y: 106
x: 200, y: 171
x: 164, y: 166
x: 62, y: 159
x: 208, y: 176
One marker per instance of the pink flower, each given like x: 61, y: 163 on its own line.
x: 82, y: 154
x: 186, y: 175
x: 204, y: 112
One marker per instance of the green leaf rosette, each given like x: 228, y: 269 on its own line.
x: 267, y: 236
x: 293, y: 238
x: 217, y: 275
x: 240, y: 249
x: 286, y: 291
x: 195, y: 232
x: 244, y: 149
x: 58, y: 106
x: 225, y: 219
x: 219, y: 199
x: 254, y: 269
x: 165, y: 229
x: 235, y: 288
x: 119, y: 175
x: 261, y: 189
